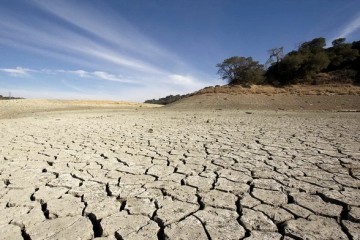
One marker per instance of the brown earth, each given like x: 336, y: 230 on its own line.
x: 116, y: 170
x: 300, y: 97
x: 24, y: 107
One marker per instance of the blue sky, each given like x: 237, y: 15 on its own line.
x: 141, y: 49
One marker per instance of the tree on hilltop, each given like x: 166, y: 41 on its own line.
x: 275, y: 56
x: 241, y: 71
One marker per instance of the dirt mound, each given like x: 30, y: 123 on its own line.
x: 300, y: 90
x: 301, y: 97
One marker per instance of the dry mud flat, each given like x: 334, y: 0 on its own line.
x: 162, y: 174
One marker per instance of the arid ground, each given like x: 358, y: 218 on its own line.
x: 213, y: 166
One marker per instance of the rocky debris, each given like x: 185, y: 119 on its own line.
x: 269, y: 175
x: 314, y: 227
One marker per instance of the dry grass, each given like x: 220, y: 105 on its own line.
x: 300, y: 90
x: 22, y: 107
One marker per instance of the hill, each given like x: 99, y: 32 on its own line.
x: 295, y: 97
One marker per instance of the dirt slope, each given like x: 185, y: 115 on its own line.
x: 333, y: 98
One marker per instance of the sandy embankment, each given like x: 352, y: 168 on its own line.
x: 25, y: 107
x: 293, y: 98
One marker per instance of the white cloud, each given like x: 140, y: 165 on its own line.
x: 80, y: 73
x: 102, y: 75
x: 100, y: 47
x: 106, y: 76
x: 99, y: 75
x: 350, y: 28
x: 182, y: 80
x: 115, y: 30
x: 116, y: 42
x: 17, y: 72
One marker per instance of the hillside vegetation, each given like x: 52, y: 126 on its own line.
x: 310, y: 64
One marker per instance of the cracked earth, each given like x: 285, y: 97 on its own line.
x: 161, y: 174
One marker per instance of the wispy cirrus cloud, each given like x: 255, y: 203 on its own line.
x: 17, y: 72
x: 102, y: 75
x: 99, y: 75
x: 350, y: 28
x: 77, y: 33
x: 97, y: 46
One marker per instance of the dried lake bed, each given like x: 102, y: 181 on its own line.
x: 187, y: 174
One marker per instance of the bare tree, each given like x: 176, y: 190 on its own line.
x: 275, y: 56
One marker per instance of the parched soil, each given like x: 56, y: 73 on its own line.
x: 24, y: 107
x: 292, y: 98
x: 300, y: 90
x: 167, y: 174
